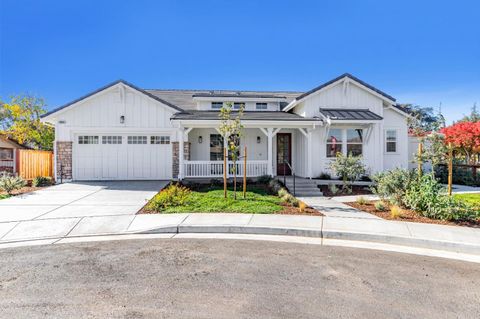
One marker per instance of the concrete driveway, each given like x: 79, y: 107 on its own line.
x: 57, y: 209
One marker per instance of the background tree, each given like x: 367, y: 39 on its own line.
x: 474, y: 115
x: 231, y: 129
x: 20, y: 120
x: 424, y: 119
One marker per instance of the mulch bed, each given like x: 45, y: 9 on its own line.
x: 24, y: 190
x: 408, y: 215
x: 356, y: 190
x: 291, y: 210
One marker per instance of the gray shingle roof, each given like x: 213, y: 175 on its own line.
x: 184, y: 98
x: 350, y: 114
x: 247, y: 116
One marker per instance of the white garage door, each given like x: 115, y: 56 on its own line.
x: 122, y: 157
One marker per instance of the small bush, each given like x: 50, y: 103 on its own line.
x: 9, y: 183
x: 173, y: 195
x: 274, y: 186
x: 395, y: 212
x: 333, y: 189
x: 288, y: 198
x: 41, y: 181
x: 392, y: 185
x: 264, y: 179
x: 216, y: 182
x: 380, y: 206
x: 282, y: 192
x: 324, y: 176
x: 349, y: 168
x: 362, y: 200
x: 302, y: 206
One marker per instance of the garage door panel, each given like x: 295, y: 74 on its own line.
x: 125, y: 158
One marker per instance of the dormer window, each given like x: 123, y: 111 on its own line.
x: 261, y: 106
x: 237, y: 105
x: 217, y: 105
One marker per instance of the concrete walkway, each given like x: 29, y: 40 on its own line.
x: 72, y: 211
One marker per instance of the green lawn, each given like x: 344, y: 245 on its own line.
x: 473, y: 199
x: 3, y: 196
x: 212, y: 201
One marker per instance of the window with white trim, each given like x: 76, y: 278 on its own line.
x: 238, y: 105
x: 83, y: 139
x: 261, y: 106
x: 6, y: 153
x: 159, y: 139
x: 345, y: 141
x: 217, y: 105
x: 391, y: 141
x: 111, y: 140
x: 137, y: 139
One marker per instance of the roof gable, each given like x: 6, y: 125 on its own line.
x: 72, y: 103
x: 334, y: 81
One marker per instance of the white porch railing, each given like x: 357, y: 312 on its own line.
x: 215, y: 168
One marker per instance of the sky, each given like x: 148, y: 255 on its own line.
x: 421, y: 52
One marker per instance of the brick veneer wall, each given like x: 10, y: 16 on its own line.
x: 64, y: 157
x: 176, y: 156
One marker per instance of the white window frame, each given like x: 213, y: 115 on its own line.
x: 261, y: 108
x: 159, y: 139
x: 238, y: 103
x: 88, y: 139
x: 386, y: 141
x: 344, y: 142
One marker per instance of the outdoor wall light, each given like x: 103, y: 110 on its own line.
x: 122, y: 119
x: 200, y: 139
x: 259, y: 139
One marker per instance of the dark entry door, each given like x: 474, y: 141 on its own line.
x: 284, y: 153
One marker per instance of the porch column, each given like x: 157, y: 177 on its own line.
x: 181, y: 155
x: 309, y: 153
x: 270, y: 151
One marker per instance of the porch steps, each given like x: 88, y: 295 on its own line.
x: 303, y: 187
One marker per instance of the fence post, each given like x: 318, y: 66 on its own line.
x: 420, y: 163
x: 245, y: 174
x: 450, y: 168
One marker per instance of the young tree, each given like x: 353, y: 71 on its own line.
x: 474, y: 115
x: 231, y: 128
x: 465, y: 136
x: 20, y: 120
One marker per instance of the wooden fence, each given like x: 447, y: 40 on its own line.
x: 33, y: 163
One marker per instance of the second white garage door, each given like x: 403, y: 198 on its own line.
x: 122, y: 157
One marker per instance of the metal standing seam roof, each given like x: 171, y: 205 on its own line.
x: 247, y: 116
x: 350, y: 114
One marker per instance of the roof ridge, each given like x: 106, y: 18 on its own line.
x: 226, y: 90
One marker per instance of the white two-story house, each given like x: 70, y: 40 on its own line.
x: 122, y: 132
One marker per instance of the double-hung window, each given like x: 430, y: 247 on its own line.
x: 216, y: 147
x: 346, y: 141
x: 391, y: 141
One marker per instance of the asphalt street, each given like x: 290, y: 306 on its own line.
x: 208, y: 278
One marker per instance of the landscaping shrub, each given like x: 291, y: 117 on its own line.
x: 426, y: 197
x: 333, y: 189
x: 380, y: 206
x: 9, y: 183
x: 41, y: 181
x: 362, y: 200
x: 349, y: 168
x: 173, y: 195
x: 274, y: 186
x: 289, y: 198
x: 392, y: 185
x: 395, y: 212
x: 282, y: 192
x: 302, y: 206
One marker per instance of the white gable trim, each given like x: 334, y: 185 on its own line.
x: 346, y: 80
x: 119, y: 84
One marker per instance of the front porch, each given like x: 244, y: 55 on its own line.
x: 270, y: 151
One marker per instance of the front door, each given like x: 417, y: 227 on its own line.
x: 284, y: 153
